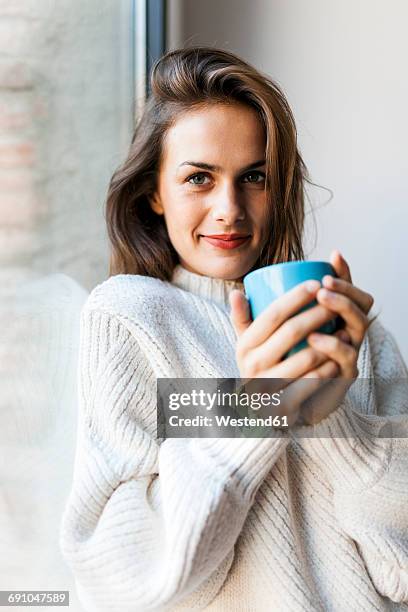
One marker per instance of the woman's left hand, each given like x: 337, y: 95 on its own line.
x: 353, y: 305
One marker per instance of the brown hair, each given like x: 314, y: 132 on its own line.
x: 180, y: 80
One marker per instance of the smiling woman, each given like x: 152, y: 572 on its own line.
x: 206, y: 148
x: 212, y: 188
x: 223, y: 208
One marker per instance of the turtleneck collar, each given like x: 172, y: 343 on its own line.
x: 215, y: 289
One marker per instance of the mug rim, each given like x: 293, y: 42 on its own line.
x: 287, y: 264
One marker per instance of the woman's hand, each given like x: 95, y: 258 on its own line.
x: 353, y: 305
x: 262, y: 344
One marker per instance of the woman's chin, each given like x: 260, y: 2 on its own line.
x: 226, y: 270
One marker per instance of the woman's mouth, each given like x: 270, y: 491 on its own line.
x: 226, y: 241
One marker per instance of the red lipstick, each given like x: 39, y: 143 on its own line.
x: 226, y: 241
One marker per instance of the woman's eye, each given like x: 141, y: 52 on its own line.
x: 254, y: 177
x: 197, y: 179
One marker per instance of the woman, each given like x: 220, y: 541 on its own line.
x: 258, y: 524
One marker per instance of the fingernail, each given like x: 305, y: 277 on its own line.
x: 327, y: 295
x: 312, y: 286
x: 314, y: 338
x: 328, y: 280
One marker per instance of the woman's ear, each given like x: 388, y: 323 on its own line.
x: 155, y: 204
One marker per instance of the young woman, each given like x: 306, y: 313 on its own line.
x: 212, y: 189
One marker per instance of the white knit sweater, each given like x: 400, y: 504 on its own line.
x: 249, y: 525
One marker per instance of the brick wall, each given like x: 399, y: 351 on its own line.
x: 65, y: 121
x: 65, y: 124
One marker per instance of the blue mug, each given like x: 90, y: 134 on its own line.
x: 265, y: 285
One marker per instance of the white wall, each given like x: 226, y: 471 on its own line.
x: 342, y: 65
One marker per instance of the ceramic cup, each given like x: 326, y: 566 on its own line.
x: 265, y: 285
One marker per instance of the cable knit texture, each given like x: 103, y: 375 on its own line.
x: 292, y: 523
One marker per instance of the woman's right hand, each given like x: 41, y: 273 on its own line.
x: 263, y: 343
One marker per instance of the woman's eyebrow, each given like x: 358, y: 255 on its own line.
x: 214, y: 168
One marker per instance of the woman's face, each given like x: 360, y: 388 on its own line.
x: 212, y: 183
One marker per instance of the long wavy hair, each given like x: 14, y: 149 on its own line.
x: 181, y: 80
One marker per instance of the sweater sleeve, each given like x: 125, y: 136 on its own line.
x: 366, y: 459
x: 149, y: 525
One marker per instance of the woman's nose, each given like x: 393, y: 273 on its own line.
x: 227, y: 205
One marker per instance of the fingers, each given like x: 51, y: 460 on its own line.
x: 302, y: 389
x: 343, y: 335
x: 285, y: 338
x: 356, y: 322
x: 340, y: 265
x: 329, y: 369
x: 278, y: 312
x: 335, y: 349
x: 296, y: 365
x: 361, y: 298
x: 309, y: 363
x: 240, y: 313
